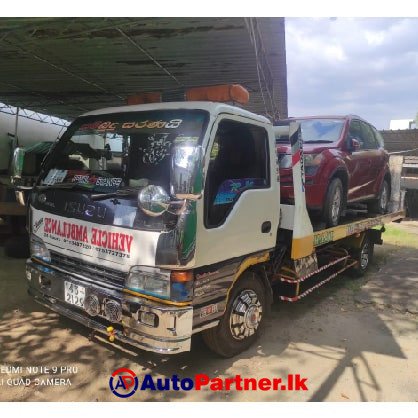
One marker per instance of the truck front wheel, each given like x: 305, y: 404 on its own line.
x: 240, y: 325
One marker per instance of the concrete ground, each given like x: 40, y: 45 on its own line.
x: 354, y: 339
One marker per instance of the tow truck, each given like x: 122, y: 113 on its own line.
x: 155, y: 221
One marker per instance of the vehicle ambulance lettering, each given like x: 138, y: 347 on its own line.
x: 97, y: 237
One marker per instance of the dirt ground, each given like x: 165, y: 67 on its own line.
x: 354, y: 339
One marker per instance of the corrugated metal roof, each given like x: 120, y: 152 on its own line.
x: 66, y: 66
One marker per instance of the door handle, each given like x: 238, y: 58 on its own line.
x: 266, y: 227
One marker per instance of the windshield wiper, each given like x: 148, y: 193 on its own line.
x: 319, y: 141
x: 88, y: 188
x: 117, y: 193
x: 65, y: 186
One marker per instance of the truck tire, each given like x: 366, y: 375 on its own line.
x: 240, y: 325
x: 381, y: 204
x: 363, y: 256
x: 334, y: 203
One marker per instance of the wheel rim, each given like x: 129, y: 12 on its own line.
x: 364, y: 256
x: 246, y: 314
x: 384, y: 197
x: 336, y: 205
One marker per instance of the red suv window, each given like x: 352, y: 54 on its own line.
x: 368, y: 136
x: 355, y: 132
x: 364, y: 134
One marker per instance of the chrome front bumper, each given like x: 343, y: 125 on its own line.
x: 170, y: 334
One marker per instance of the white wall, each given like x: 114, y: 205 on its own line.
x: 400, y: 124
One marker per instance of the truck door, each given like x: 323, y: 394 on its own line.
x: 241, y: 195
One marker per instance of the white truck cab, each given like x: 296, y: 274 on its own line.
x: 153, y: 222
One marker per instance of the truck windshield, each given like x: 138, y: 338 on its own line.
x: 132, y: 149
x: 313, y: 130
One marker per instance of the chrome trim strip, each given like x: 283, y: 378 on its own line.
x: 206, y: 326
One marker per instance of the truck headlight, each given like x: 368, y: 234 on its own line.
x: 38, y: 249
x: 149, y: 281
x: 176, y: 285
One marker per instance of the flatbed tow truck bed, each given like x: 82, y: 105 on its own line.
x: 347, y: 229
x: 309, y: 258
x: 336, y: 250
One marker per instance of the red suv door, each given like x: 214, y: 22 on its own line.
x: 376, y: 158
x: 357, y: 162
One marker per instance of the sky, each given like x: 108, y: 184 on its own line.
x: 365, y: 66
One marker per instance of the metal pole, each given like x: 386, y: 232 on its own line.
x: 16, y: 126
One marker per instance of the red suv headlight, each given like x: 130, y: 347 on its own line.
x: 312, y: 162
x: 285, y: 160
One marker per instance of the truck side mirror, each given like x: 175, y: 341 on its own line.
x: 16, y: 167
x: 186, y: 177
x: 354, y: 144
x: 16, y: 173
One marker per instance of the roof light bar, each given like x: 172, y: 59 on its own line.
x: 143, y: 98
x: 220, y: 93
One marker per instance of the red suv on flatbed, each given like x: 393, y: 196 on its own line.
x: 345, y: 163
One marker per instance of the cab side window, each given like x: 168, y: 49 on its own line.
x: 239, y: 161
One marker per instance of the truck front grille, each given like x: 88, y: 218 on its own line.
x: 92, y: 271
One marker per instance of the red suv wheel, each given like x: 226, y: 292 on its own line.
x: 334, y: 203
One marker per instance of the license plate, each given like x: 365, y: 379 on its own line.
x: 74, y: 294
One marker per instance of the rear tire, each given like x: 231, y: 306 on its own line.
x: 240, y: 325
x: 363, y: 256
x: 381, y: 204
x: 334, y: 203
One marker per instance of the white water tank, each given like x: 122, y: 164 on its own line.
x: 29, y: 132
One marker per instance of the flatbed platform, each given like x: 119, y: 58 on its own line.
x: 298, y: 278
x: 351, y: 227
